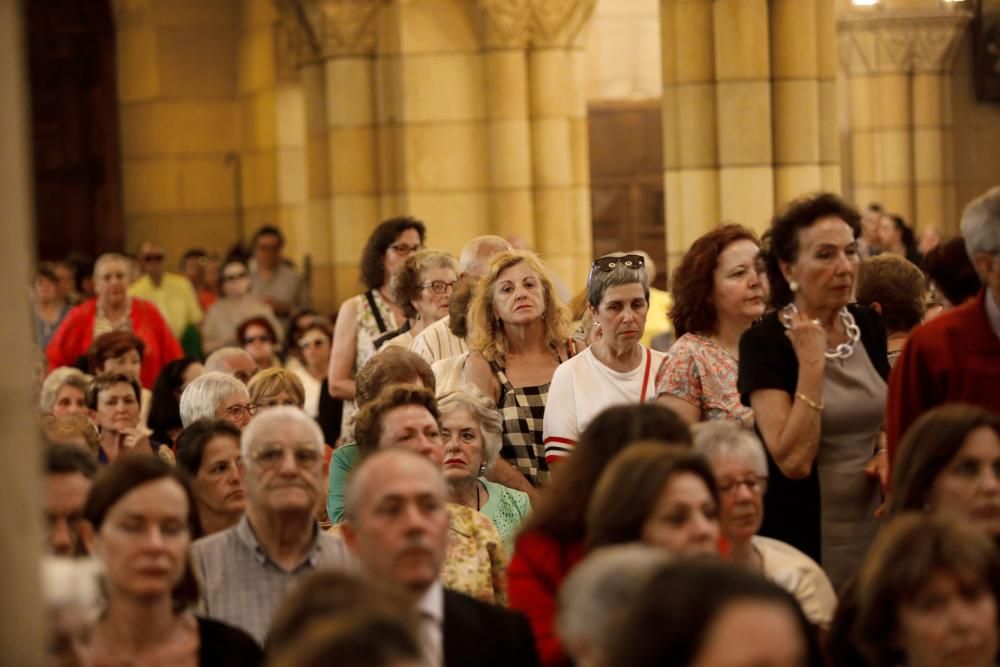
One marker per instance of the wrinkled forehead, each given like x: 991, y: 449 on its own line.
x: 404, y: 479
x: 110, y: 266
x: 282, y: 433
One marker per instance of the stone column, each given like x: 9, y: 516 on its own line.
x: 558, y: 137
x: 897, y: 63
x: 22, y: 630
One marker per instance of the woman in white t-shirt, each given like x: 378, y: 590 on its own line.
x: 617, y: 368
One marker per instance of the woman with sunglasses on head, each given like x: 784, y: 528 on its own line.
x: 616, y: 368
x: 235, y: 305
x: 313, y: 344
x: 422, y: 287
x: 719, y: 290
x: 365, y: 317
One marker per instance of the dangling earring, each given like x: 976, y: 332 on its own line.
x: 482, y: 468
x: 596, y: 323
x: 793, y: 285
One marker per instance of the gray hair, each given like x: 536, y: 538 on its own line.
x: 201, y: 398
x: 283, y: 417
x: 598, y: 590
x: 475, y: 257
x: 484, y: 411
x: 109, y: 257
x: 600, y: 281
x: 57, y: 379
x: 720, y: 438
x: 981, y: 223
x: 219, y: 360
x: 355, y: 488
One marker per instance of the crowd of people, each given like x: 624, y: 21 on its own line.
x: 457, y: 468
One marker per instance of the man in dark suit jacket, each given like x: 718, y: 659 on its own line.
x: 396, y: 523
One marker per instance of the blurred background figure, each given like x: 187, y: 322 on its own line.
x: 275, y: 280
x: 896, y: 289
x: 49, y: 304
x: 172, y: 293
x: 897, y: 237
x: 953, y: 278
x: 235, y: 305
x: 73, y: 600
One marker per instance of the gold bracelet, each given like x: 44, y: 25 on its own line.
x: 815, y: 406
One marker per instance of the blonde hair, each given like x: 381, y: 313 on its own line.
x: 486, y: 333
x: 272, y: 382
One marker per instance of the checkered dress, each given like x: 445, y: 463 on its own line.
x: 522, y: 410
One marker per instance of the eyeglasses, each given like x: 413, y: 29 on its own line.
x: 754, y: 485
x: 153, y: 258
x: 238, y: 410
x: 271, y: 456
x: 256, y: 339
x: 440, y: 286
x: 405, y: 248
x: 609, y: 263
x: 288, y: 402
x: 234, y: 276
x: 306, y: 343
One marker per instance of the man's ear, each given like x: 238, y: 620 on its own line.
x: 349, y: 535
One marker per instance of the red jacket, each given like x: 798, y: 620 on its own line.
x: 953, y: 358
x: 76, y: 332
x: 535, y: 575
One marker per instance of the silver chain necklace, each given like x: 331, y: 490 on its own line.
x: 842, y: 351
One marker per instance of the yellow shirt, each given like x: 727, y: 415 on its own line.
x: 175, y: 297
x: 657, y: 321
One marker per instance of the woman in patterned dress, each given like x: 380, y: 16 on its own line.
x: 518, y: 335
x: 719, y: 289
x: 367, y: 316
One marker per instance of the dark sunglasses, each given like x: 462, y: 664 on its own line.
x: 256, y: 339
x: 152, y: 258
x: 607, y: 264
x: 233, y: 276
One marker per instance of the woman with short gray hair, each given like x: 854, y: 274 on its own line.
x: 617, y: 368
x: 739, y: 464
x: 216, y: 395
x: 422, y: 287
x: 470, y: 430
x: 64, y: 392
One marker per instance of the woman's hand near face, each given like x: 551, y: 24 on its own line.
x: 808, y: 340
x: 133, y: 440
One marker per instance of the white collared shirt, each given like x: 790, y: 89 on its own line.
x: 431, y: 610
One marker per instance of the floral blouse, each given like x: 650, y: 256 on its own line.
x: 699, y: 371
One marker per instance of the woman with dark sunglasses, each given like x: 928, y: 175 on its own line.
x: 617, y: 368
x: 236, y: 305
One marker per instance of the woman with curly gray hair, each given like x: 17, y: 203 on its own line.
x: 470, y: 429
x: 422, y: 287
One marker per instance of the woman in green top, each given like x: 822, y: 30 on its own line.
x: 470, y: 429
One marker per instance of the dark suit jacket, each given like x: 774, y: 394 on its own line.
x: 477, y: 634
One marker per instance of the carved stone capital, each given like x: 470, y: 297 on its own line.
x: 558, y: 23
x: 320, y: 29
x: 900, y: 41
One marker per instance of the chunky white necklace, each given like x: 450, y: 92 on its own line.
x: 842, y: 351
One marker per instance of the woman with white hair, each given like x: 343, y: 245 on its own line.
x: 470, y: 429
x: 64, y: 392
x: 422, y: 287
x: 739, y: 464
x: 216, y: 395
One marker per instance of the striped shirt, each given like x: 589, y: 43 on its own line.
x: 437, y: 342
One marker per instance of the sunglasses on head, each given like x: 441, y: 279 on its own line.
x: 609, y: 263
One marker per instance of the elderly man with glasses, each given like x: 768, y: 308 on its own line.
x: 248, y: 569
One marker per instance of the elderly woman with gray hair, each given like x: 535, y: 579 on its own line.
x: 64, y: 392
x: 470, y: 429
x: 617, y: 368
x: 739, y: 464
x: 217, y: 395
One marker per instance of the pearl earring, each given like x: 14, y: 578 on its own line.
x: 793, y: 285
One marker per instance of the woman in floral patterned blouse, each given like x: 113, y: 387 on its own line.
x: 719, y: 289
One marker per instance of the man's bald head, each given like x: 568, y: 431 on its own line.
x: 393, y: 459
x: 475, y: 256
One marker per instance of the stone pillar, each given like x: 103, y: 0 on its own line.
x: 898, y: 63
x: 22, y: 631
x: 559, y: 154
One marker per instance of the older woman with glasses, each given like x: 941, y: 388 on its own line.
x: 235, y: 305
x: 739, y: 464
x: 422, y: 287
x: 617, y: 368
x: 374, y: 313
x: 217, y: 395
x: 276, y: 387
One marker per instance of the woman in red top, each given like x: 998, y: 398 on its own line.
x: 552, y: 541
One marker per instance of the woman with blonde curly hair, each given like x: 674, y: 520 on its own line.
x: 422, y: 287
x: 518, y: 335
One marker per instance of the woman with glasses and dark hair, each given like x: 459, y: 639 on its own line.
x: 719, y: 289
x: 235, y: 305
x: 209, y: 450
x: 616, y: 368
x: 165, y: 409
x: 142, y: 518
x: 374, y: 313
x: 519, y: 333
x: 422, y: 287
x: 739, y: 464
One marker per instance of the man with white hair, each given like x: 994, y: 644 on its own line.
x: 397, y: 526
x: 216, y: 395
x: 233, y: 361
x: 246, y: 570
x: 956, y: 356
x: 436, y: 341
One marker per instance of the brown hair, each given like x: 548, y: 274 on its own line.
x: 368, y: 427
x: 107, y: 380
x: 113, y: 344
x: 693, y: 282
x: 929, y: 445
x: 906, y: 553
x: 392, y: 365
x: 241, y: 330
x: 273, y: 381
x: 487, y: 335
x: 897, y: 285
x: 644, y: 468
x: 406, y: 283
x: 458, y: 307
x: 128, y: 473
x: 373, y: 256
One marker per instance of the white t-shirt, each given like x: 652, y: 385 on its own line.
x: 582, y: 387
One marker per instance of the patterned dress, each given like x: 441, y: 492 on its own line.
x: 364, y: 347
x: 523, y: 412
x: 700, y: 372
